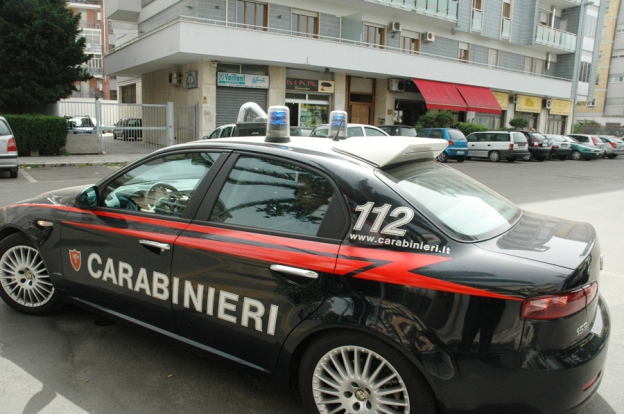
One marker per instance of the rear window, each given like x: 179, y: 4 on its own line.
x: 462, y: 207
x: 4, y: 128
x: 582, y: 139
x: 538, y: 137
x: 456, y: 135
x: 519, y: 138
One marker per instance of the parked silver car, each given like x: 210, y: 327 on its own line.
x: 613, y: 146
x: 8, y: 149
x: 560, y: 148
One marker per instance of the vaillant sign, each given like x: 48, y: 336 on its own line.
x: 239, y: 80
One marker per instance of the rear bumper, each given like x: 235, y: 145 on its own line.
x: 8, y: 162
x: 456, y: 152
x: 530, y: 381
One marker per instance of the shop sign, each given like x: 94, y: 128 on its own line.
x: 240, y: 80
x: 502, y: 98
x: 310, y: 85
x: 190, y: 80
x: 529, y: 104
x: 560, y: 107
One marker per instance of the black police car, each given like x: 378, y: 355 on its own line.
x: 361, y: 271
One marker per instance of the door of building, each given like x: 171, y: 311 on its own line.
x: 360, y: 112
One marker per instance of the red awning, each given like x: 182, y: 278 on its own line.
x: 480, y: 99
x: 440, y: 95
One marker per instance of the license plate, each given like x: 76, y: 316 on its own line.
x: 461, y: 152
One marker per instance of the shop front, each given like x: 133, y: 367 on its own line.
x: 558, y: 115
x: 529, y: 108
x: 235, y: 89
x: 494, y: 120
x: 309, y: 101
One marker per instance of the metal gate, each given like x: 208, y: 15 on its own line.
x: 229, y: 101
x: 187, y: 130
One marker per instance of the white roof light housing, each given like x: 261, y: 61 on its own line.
x: 394, y: 150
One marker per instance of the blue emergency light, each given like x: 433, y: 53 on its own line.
x: 278, y: 125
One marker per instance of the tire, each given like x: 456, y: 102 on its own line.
x: 13, y: 174
x: 612, y: 156
x: 494, y: 156
x: 25, y: 284
x: 528, y: 157
x: 443, y: 157
x: 355, y: 393
x: 460, y: 159
x: 563, y: 157
x: 576, y: 155
x: 511, y: 159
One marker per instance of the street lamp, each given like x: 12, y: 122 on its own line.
x: 579, y: 56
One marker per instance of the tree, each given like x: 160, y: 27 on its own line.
x: 519, y: 123
x: 440, y: 119
x: 41, y: 54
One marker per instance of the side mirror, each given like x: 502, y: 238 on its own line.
x: 88, y: 198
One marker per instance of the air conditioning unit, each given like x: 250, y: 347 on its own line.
x: 514, y: 99
x: 175, y: 78
x: 548, y: 103
x: 396, y: 85
x: 428, y: 37
x: 395, y: 26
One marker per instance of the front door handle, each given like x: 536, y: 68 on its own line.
x: 156, y: 245
x: 294, y: 271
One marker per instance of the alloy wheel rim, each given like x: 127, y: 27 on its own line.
x: 352, y: 379
x: 24, y: 277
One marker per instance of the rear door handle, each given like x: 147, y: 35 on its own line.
x: 163, y: 247
x: 294, y: 271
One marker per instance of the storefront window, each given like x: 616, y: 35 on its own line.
x: 308, y: 109
x: 490, y: 121
x: 556, y: 124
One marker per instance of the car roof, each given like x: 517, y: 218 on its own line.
x: 369, y: 150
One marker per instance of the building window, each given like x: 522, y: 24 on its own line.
x: 539, y: 66
x: 584, y: 71
x: 545, y: 17
x: 374, y: 36
x: 477, y: 15
x: 251, y: 14
x: 305, y: 23
x: 528, y: 64
x: 128, y: 94
x: 616, y: 79
x: 410, y: 44
x: 506, y: 23
x: 464, y: 54
x: 113, y: 95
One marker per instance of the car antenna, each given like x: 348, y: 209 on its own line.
x: 337, y: 126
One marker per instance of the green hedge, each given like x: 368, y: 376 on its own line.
x: 468, y: 128
x: 44, y: 133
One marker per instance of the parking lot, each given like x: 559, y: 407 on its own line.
x: 74, y: 362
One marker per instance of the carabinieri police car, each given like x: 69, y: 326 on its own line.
x: 358, y: 270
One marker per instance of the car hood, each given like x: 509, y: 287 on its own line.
x: 545, y: 239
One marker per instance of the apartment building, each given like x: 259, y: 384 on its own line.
x: 383, y: 61
x: 94, y: 27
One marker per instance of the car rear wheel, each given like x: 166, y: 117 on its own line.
x: 443, y: 157
x: 460, y: 159
x: 351, y: 373
x: 13, y: 173
x: 576, y: 155
x: 494, y: 156
x: 527, y: 157
x: 25, y: 284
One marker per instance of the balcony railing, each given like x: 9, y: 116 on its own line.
x: 329, y: 39
x: 95, y: 71
x: 89, y: 25
x: 559, y: 39
x: 444, y: 9
x: 93, y: 2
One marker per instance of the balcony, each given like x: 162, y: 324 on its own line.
x: 442, y: 9
x: 558, y: 39
x: 86, y: 2
x: 124, y: 10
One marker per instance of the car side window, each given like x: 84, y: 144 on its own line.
x: 472, y: 137
x: 273, y: 195
x: 372, y: 132
x: 502, y: 137
x: 162, y: 186
x: 227, y: 132
x: 355, y: 132
x: 214, y: 134
x: 436, y: 133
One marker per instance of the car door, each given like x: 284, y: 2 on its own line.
x: 472, y: 141
x: 117, y: 256
x: 258, y: 259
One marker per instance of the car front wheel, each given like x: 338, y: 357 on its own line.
x: 576, y: 155
x: 443, y: 157
x: 25, y: 284
x: 350, y: 373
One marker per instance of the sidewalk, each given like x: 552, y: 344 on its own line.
x: 79, y: 160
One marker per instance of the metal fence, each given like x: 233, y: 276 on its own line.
x: 122, y: 128
x: 187, y: 123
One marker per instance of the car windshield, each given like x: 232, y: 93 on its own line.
x: 456, y: 135
x: 461, y: 206
x: 320, y: 132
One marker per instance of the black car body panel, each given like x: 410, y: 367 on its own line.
x: 451, y: 307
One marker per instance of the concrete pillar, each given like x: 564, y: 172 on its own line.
x: 277, y: 90
x: 207, y: 78
x: 339, y: 102
x: 384, y: 104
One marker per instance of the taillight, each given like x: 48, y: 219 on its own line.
x: 555, y: 146
x: 594, y: 141
x: 451, y: 143
x: 12, y: 147
x: 613, y: 144
x: 510, y: 147
x: 535, y: 142
x: 559, y: 306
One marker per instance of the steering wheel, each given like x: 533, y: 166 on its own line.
x: 158, y: 191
